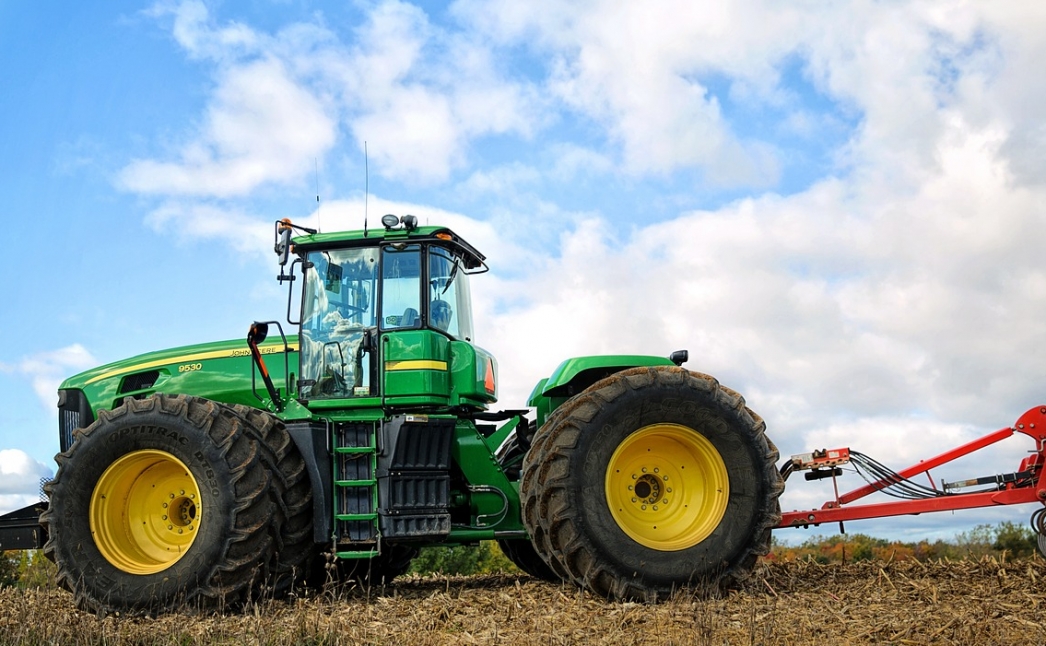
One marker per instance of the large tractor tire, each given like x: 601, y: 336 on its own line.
x: 294, y: 549
x: 161, y: 503
x: 651, y: 480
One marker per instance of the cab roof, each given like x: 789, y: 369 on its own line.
x: 380, y: 235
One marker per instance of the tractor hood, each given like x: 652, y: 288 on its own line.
x: 220, y: 371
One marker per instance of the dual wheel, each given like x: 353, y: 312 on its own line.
x: 650, y: 480
x: 175, y: 500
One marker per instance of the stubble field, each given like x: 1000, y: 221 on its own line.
x: 871, y: 602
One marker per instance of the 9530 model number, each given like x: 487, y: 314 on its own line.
x: 190, y: 367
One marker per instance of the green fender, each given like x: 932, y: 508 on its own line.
x: 576, y: 374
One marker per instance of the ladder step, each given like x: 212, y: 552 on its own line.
x: 365, y: 554
x: 355, y: 449
x: 356, y: 488
x: 355, y: 483
x: 356, y: 516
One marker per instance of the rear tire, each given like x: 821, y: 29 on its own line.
x: 111, y: 531
x: 650, y: 480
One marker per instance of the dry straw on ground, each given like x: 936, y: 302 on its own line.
x: 985, y: 602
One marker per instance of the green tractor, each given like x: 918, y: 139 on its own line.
x: 212, y: 474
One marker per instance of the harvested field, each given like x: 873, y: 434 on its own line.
x: 983, y: 602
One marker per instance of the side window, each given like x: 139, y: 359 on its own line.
x: 401, y: 287
x: 449, y: 307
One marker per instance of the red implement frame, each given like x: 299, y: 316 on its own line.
x: 1032, y: 424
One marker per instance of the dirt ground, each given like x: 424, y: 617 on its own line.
x: 985, y: 602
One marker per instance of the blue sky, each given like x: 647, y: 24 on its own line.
x: 834, y: 208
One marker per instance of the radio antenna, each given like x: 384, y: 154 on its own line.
x: 366, y: 187
x: 317, y: 175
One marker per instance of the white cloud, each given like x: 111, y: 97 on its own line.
x: 20, y: 477
x: 196, y: 220
x: 416, y: 93
x: 47, y: 369
x: 419, y: 94
x: 500, y: 182
x: 644, y: 72
x: 262, y: 126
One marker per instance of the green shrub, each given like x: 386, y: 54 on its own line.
x: 484, y: 558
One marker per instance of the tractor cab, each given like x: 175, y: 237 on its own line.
x: 386, y: 316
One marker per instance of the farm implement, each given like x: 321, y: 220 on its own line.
x: 215, y: 473
x: 1026, y: 485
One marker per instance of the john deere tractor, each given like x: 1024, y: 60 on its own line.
x: 211, y: 474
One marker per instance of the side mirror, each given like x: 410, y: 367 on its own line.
x: 257, y: 333
x: 283, y: 246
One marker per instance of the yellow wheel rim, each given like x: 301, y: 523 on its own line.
x: 667, y: 487
x: 145, y: 512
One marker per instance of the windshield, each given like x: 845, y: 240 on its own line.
x: 339, y: 307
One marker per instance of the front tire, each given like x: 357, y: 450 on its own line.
x: 650, y: 480
x: 159, y: 503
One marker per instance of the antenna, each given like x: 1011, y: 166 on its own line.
x: 366, y: 187
x: 317, y: 175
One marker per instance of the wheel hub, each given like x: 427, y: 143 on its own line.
x: 145, y: 511
x: 648, y: 489
x: 667, y: 487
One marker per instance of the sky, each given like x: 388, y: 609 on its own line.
x: 835, y: 207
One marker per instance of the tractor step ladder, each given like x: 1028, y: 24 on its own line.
x: 356, y: 490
